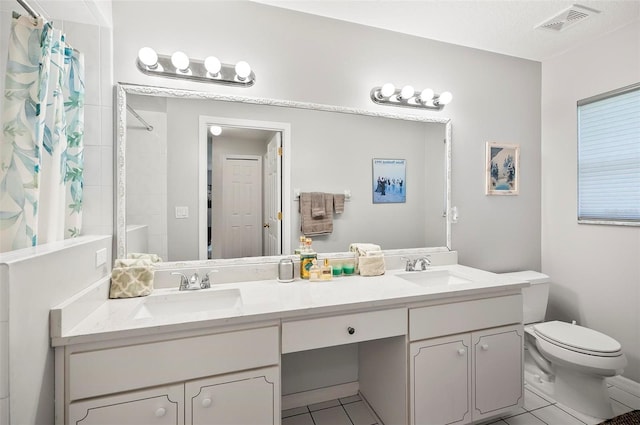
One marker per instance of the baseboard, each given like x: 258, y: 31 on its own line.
x: 319, y: 395
x: 626, y: 384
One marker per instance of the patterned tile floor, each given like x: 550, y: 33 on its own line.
x: 538, y: 409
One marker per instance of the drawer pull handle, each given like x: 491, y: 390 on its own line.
x: 161, y: 412
x: 206, y: 402
x: 351, y: 330
x: 485, y: 347
x: 461, y: 351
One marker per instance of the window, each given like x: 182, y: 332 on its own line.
x: 609, y: 157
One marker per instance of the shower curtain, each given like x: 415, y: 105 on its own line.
x: 41, y: 150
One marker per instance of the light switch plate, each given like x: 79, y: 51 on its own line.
x: 182, y: 212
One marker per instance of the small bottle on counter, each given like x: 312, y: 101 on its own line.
x: 326, y: 271
x: 315, y: 273
x: 300, y: 247
x: 306, y: 258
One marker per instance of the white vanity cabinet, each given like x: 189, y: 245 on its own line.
x: 466, y: 360
x: 206, y: 379
x: 161, y: 406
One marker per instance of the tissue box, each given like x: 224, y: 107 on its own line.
x: 131, y: 281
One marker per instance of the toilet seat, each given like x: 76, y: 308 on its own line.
x: 578, y: 339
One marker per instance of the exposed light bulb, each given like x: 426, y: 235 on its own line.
x: 444, y: 98
x: 387, y: 90
x: 407, y: 92
x: 426, y: 95
x: 216, y: 130
x: 213, y: 65
x: 243, y: 70
x: 148, y: 57
x: 180, y: 60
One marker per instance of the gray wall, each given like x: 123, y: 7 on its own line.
x: 308, y: 58
x: 595, y: 269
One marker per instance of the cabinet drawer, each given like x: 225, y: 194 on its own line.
x: 94, y: 373
x: 448, y: 319
x: 337, y: 330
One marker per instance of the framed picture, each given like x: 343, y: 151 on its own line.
x: 389, y: 181
x: 503, y: 169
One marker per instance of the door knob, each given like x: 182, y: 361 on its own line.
x: 161, y: 412
x: 351, y: 330
x: 206, y: 402
x: 485, y: 347
x: 266, y: 225
x: 461, y: 351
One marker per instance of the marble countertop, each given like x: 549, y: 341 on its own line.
x: 89, y: 317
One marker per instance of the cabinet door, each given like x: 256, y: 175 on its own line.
x: 246, y: 398
x: 162, y: 406
x: 498, y: 370
x: 441, y: 381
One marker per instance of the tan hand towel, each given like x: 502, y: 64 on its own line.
x: 317, y: 205
x: 315, y: 226
x: 338, y: 203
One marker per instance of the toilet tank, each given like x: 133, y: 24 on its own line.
x: 534, y: 297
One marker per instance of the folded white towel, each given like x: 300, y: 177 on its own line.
x: 366, y: 250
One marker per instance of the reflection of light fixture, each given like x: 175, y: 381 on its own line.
x: 179, y: 65
x: 426, y: 99
x: 216, y: 130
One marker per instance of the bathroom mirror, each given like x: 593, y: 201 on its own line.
x: 166, y: 178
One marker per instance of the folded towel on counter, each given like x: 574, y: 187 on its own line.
x: 144, y: 256
x: 133, y: 276
x: 318, y: 205
x: 338, y: 203
x: 371, y: 264
x: 367, y: 250
x: 311, y: 226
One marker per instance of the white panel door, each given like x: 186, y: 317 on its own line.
x: 246, y: 398
x: 241, y: 206
x: 272, y: 198
x: 440, y: 374
x: 162, y: 406
x: 498, y: 370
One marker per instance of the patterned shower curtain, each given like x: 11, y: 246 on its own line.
x: 41, y: 149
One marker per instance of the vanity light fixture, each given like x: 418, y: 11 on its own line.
x: 210, y: 70
x: 388, y: 94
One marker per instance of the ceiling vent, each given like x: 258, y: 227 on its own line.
x: 567, y: 18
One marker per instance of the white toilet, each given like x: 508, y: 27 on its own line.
x: 564, y: 360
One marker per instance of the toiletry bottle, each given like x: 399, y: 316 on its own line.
x: 306, y: 257
x: 301, y: 247
x: 326, y: 271
x: 314, y: 271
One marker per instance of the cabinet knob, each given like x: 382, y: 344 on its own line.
x: 485, y: 347
x: 161, y: 412
x: 351, y: 330
x: 461, y: 351
x: 206, y: 402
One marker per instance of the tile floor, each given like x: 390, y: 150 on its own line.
x: 538, y: 410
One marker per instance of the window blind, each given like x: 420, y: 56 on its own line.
x: 609, y: 157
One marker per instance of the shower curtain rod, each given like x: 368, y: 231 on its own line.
x: 28, y: 8
x: 135, y: 114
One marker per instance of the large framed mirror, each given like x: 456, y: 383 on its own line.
x: 175, y: 184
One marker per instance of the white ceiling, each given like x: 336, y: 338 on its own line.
x: 505, y: 26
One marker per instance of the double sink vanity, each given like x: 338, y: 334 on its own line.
x: 443, y: 345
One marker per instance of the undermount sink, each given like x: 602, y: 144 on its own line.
x: 433, y: 277
x: 190, y: 302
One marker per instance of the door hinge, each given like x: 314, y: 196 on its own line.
x: 279, y: 215
x: 279, y: 150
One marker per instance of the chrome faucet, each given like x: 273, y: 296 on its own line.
x: 412, y: 264
x: 193, y: 283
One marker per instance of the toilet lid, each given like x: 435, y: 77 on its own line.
x: 578, y: 338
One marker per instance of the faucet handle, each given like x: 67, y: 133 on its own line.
x: 205, y: 283
x: 184, y: 281
x: 409, y: 266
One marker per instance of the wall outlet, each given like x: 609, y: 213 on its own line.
x: 101, y: 257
